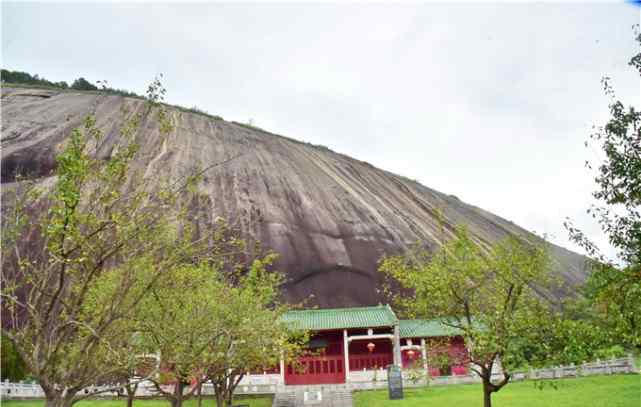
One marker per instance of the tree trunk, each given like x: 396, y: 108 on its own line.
x: 487, y: 397
x: 200, y: 394
x: 489, y: 388
x: 220, y: 399
x: 179, y: 394
x: 131, y: 394
x: 177, y: 400
x: 487, y: 391
x: 58, y: 401
x: 233, y: 382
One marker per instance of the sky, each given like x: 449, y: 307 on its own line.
x: 490, y: 102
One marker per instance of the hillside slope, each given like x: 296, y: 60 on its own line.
x: 330, y: 217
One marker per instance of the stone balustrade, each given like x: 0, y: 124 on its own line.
x: 359, y: 380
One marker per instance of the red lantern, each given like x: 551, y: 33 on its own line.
x: 370, y: 347
x: 410, y: 353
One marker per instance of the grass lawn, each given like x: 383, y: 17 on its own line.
x: 257, y: 401
x: 595, y: 391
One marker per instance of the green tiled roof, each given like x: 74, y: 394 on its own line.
x: 422, y: 328
x: 341, y: 318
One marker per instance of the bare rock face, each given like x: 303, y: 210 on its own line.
x: 329, y: 216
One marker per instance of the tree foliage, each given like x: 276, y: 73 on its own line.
x: 254, y: 337
x: 102, y: 86
x: 494, y: 298
x: 13, y: 367
x: 109, y: 278
x: 25, y: 78
x: 83, y: 84
x: 178, y: 322
x: 81, y: 250
x: 615, y: 289
x: 216, y: 321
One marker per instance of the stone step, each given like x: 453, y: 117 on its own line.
x: 284, y: 399
x: 329, y: 397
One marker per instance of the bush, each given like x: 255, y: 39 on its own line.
x: 615, y: 351
x: 24, y: 78
x: 13, y: 367
x: 83, y: 84
x: 28, y: 79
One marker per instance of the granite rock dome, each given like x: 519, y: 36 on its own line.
x: 331, y: 217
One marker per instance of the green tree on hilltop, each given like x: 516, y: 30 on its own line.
x: 83, y: 84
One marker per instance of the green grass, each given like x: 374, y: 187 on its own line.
x: 595, y: 391
x: 252, y: 401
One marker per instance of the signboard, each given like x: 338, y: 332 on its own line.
x: 312, y: 397
x: 394, y: 382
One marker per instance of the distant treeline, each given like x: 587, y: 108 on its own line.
x: 25, y: 78
x: 79, y: 84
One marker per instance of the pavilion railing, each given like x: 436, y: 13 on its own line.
x: 364, y: 379
x: 369, y: 361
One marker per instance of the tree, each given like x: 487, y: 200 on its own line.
x: 81, y: 250
x: 16, y: 77
x: 179, y: 321
x: 614, y: 289
x: 614, y: 296
x: 182, y: 319
x: 133, y: 364
x: 215, y: 321
x: 253, y: 337
x: 26, y: 78
x: 493, y: 298
x: 83, y: 84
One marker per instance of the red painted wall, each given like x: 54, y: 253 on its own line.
x: 326, y: 365
x: 323, y: 365
x: 457, y: 353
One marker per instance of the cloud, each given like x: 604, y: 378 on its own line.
x: 491, y: 103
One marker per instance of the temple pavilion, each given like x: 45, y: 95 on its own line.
x: 352, y: 344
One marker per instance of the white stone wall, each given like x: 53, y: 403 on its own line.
x: 259, y: 383
x: 360, y: 380
x: 261, y: 379
x: 20, y: 390
x: 360, y: 376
